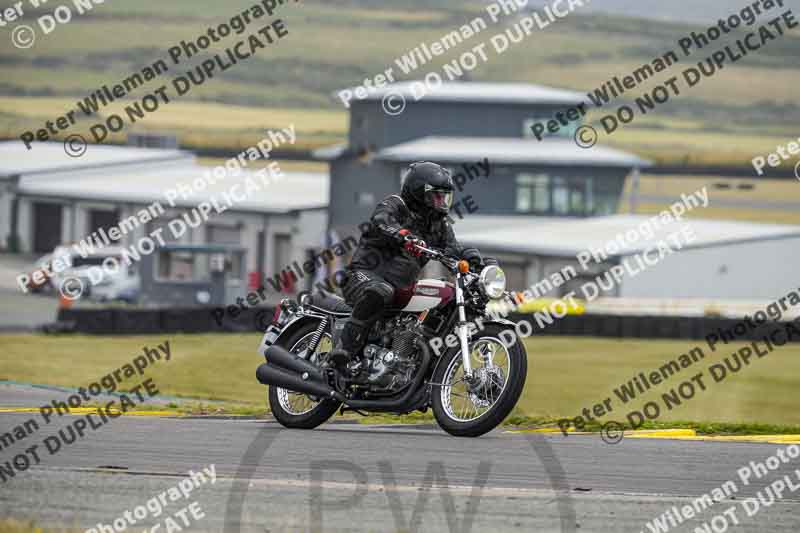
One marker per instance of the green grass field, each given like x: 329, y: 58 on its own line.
x: 760, y: 198
x: 565, y: 374
x: 746, y: 109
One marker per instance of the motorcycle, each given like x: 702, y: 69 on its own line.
x: 434, y: 347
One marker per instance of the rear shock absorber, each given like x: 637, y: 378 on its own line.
x: 312, y: 346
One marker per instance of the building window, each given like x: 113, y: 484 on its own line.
x: 533, y: 193
x: 174, y: 265
x: 541, y: 194
x: 572, y: 196
x: 605, y: 201
x: 197, y: 266
x: 561, y: 201
x: 590, y: 207
x: 218, y: 234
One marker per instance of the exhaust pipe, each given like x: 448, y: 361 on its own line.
x: 280, y: 357
x: 278, y: 377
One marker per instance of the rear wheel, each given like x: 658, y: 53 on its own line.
x: 295, y: 409
x: 471, y: 409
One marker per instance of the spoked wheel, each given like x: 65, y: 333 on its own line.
x: 296, y: 409
x: 470, y: 408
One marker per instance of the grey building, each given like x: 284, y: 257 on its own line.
x: 459, y: 125
x: 49, y: 199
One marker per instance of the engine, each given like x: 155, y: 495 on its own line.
x: 392, y: 364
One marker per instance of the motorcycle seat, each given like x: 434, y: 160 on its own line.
x: 330, y: 303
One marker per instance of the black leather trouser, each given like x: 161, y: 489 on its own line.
x: 368, y: 294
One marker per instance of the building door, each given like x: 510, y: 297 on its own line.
x: 101, y: 218
x: 281, y: 257
x: 257, y: 278
x: 46, y: 227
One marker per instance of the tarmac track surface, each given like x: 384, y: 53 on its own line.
x: 346, y: 477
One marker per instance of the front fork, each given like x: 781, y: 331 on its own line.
x: 463, y: 328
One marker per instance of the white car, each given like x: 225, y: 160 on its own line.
x: 103, y: 274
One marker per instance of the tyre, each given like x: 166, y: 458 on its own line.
x: 297, y: 410
x: 500, y: 371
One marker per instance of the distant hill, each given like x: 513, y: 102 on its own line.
x: 333, y: 44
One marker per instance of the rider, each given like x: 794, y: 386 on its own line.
x: 387, y: 257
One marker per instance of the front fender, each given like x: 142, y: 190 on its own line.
x: 511, y: 324
x: 501, y: 322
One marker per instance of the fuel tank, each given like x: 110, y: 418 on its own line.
x: 425, y: 294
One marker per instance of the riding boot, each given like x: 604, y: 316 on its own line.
x: 351, y: 342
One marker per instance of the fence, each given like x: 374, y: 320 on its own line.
x: 200, y: 320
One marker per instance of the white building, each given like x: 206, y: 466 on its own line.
x: 48, y: 198
x: 726, y: 260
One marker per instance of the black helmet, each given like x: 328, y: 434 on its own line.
x: 428, y: 187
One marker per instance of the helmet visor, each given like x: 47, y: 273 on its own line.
x: 439, y: 199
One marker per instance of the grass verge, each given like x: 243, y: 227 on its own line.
x: 15, y: 526
x: 214, y: 374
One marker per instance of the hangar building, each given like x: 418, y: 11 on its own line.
x: 48, y: 198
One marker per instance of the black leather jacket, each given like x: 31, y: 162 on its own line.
x: 380, y: 249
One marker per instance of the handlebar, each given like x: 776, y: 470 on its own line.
x: 449, y: 262
x: 430, y: 252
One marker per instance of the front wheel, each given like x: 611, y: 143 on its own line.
x: 471, y: 408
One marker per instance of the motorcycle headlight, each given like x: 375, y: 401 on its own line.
x: 493, y: 281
